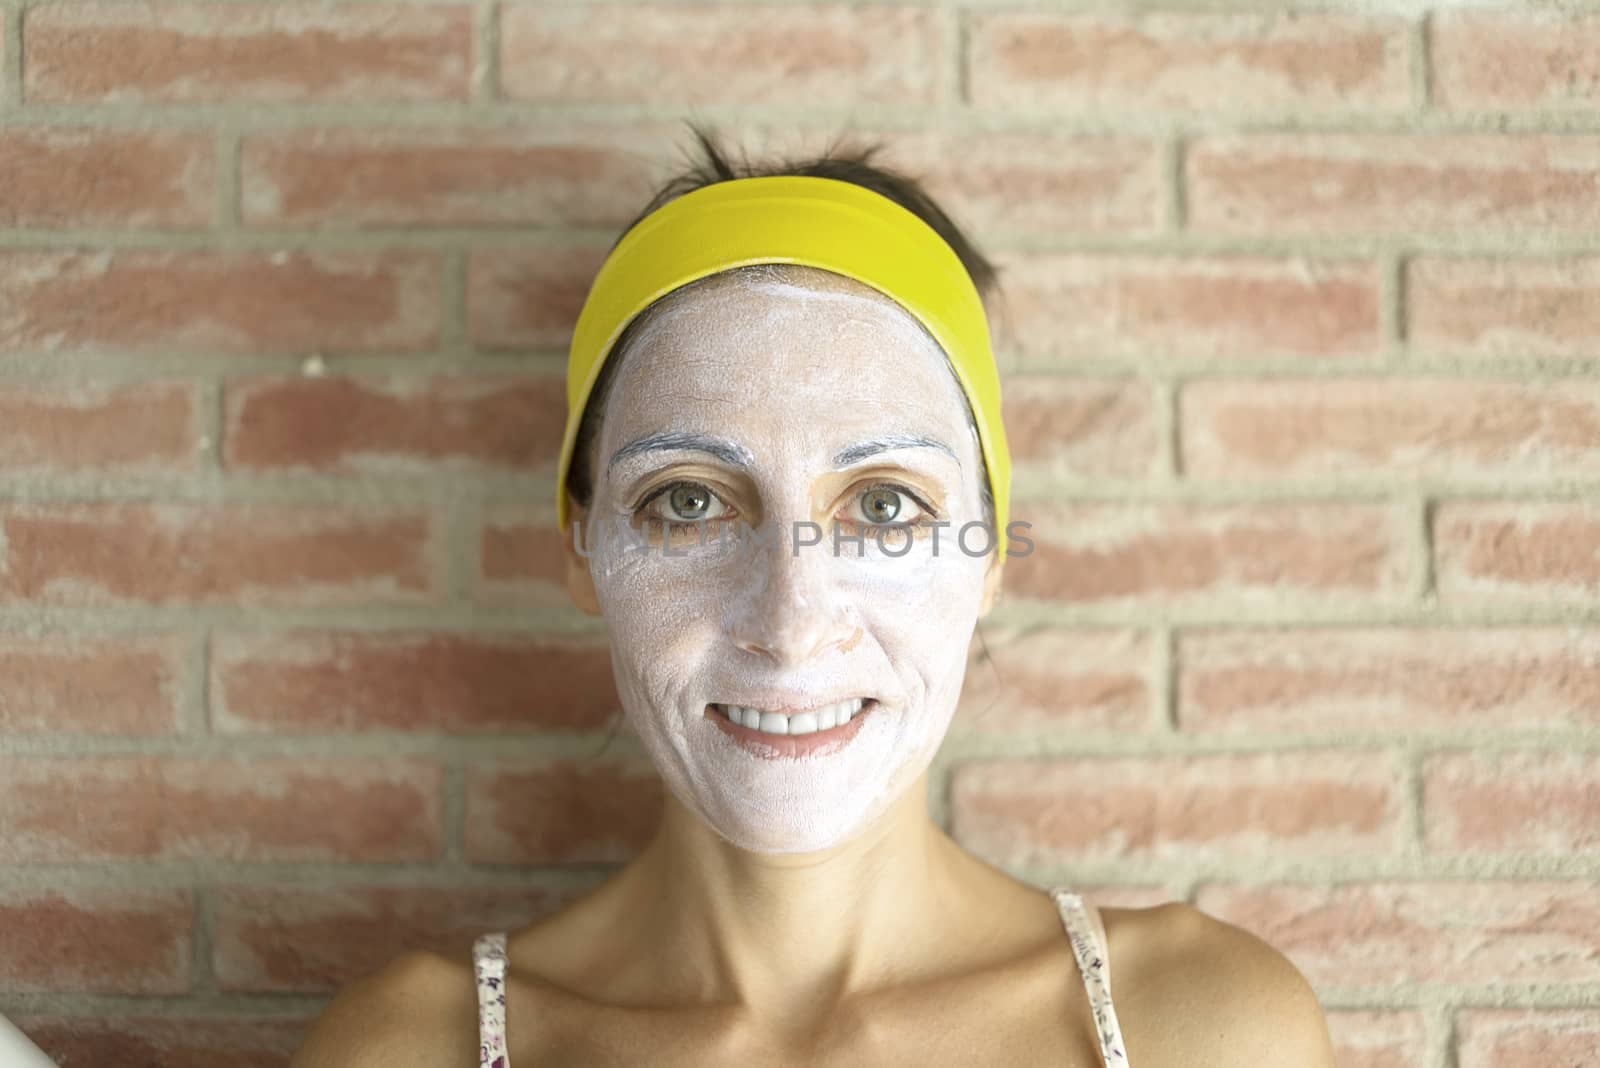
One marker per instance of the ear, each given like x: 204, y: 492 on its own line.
x: 991, y: 584
x: 580, y: 582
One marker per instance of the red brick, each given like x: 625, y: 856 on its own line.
x: 441, y: 176
x: 1033, y: 183
x: 1378, y: 1039
x: 64, y: 809
x: 522, y: 563
x: 528, y: 298
x: 346, y: 425
x: 103, y: 553
x: 325, y: 681
x: 1383, y: 427
x: 99, y: 428
x: 1177, y: 555
x: 1517, y: 549
x: 1483, y: 307
x: 1388, y: 679
x: 1188, y: 61
x: 121, y: 940
x: 70, y: 176
x: 1527, y: 1038
x: 1177, y: 809
x: 299, y: 940
x: 1511, y: 802
x: 592, y: 811
x: 707, y: 53
x: 218, y: 301
x: 263, y: 52
x: 1065, y: 307
x: 128, y: 684
x: 1347, y: 184
x: 167, y: 1041
x: 1375, y: 935
x: 1069, y: 428
x: 1024, y: 680
x: 1510, y: 60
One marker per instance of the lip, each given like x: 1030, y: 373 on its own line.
x: 776, y: 746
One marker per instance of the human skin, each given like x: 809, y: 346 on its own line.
x: 862, y: 936
x: 769, y: 876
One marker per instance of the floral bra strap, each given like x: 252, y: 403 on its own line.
x: 1093, y: 963
x: 489, y: 962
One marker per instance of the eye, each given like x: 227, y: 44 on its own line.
x: 890, y: 503
x: 685, y: 503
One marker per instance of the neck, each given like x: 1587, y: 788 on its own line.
x: 788, y: 937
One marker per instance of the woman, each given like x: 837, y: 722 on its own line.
x: 779, y: 478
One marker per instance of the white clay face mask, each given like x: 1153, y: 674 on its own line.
x: 789, y: 376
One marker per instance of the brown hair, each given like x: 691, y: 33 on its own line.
x: 849, y: 165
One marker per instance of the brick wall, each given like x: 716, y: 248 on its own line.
x: 1300, y: 335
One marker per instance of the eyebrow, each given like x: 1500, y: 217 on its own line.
x: 872, y: 446
x: 736, y: 455
x: 728, y: 452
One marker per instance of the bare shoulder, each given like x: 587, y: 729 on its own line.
x: 1202, y: 992
x: 418, y: 1010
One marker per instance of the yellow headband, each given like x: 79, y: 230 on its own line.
x: 826, y: 223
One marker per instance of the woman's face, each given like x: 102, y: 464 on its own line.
x: 792, y: 387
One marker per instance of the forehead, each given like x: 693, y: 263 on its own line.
x: 826, y: 348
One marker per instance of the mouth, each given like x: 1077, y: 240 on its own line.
x: 794, y: 722
x: 797, y: 733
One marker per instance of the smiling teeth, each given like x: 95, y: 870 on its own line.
x: 801, y: 723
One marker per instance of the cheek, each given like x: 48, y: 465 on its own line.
x: 660, y: 616
x: 923, y: 613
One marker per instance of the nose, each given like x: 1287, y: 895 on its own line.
x: 790, y: 611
